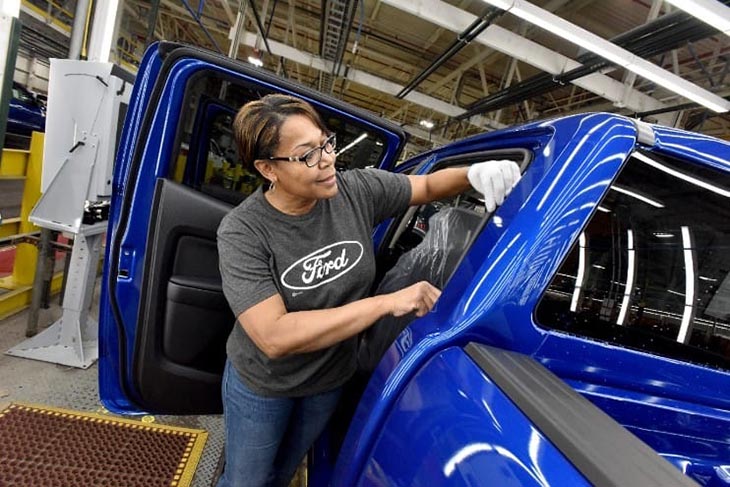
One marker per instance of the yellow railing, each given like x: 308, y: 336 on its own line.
x: 19, y: 285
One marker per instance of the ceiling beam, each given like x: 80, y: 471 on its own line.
x: 229, y: 12
x: 370, y: 81
x: 527, y: 51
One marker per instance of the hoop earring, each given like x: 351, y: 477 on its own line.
x: 272, y: 186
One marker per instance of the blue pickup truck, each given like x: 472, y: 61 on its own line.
x: 26, y: 113
x: 583, y: 333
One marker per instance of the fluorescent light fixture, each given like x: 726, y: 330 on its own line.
x: 678, y: 174
x: 685, y: 327
x: 352, y: 144
x: 611, y: 52
x: 582, y: 257
x: 630, y: 275
x: 709, y: 279
x: 663, y: 235
x: 639, y: 197
x: 11, y: 8
x: 672, y: 291
x: 255, y: 61
x: 709, y: 11
x: 599, y: 266
x: 604, y: 210
x: 426, y: 123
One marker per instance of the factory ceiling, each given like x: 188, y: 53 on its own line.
x: 461, y: 65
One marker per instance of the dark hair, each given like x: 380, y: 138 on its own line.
x: 257, y: 124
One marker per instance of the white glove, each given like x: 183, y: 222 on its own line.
x: 494, y: 179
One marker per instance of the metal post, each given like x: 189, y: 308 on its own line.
x: 72, y: 340
x: 48, y: 273
x: 77, y: 31
x: 66, y: 266
x: 31, y: 328
x: 103, y: 35
x: 152, y: 22
x: 240, y: 21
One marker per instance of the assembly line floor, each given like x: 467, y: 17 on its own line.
x: 31, y: 381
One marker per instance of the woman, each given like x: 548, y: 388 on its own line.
x: 297, y: 263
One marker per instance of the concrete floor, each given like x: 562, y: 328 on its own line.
x: 47, y: 384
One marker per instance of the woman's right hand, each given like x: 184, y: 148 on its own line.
x: 417, y: 298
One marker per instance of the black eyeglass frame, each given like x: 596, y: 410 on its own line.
x: 331, y: 140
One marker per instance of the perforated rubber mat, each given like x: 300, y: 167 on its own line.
x: 50, y: 447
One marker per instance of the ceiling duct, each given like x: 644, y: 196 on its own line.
x: 461, y: 41
x: 661, y: 35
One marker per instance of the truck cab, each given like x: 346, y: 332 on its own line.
x: 583, y: 332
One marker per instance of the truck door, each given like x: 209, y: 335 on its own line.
x: 163, y: 318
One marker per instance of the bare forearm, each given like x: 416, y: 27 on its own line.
x: 438, y: 185
x: 306, y: 331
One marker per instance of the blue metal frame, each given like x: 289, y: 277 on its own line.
x: 492, y: 297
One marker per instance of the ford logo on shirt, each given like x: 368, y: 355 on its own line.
x: 323, y: 265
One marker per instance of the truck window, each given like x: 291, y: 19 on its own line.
x: 651, y: 271
x: 207, y: 158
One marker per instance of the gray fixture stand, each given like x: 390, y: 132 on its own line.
x: 84, y: 110
x: 72, y: 340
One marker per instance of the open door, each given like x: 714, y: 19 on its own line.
x: 163, y: 318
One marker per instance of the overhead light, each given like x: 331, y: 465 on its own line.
x: 611, y: 52
x: 582, y: 261
x: 426, y: 123
x: 639, y: 197
x: 604, y: 210
x: 352, y: 144
x: 709, y: 11
x: 599, y: 267
x: 663, y: 235
x: 685, y: 327
x: 255, y: 61
x: 630, y: 275
x: 678, y: 174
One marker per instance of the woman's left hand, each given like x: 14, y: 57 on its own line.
x: 494, y: 179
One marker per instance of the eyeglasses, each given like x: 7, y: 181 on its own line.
x: 312, y: 157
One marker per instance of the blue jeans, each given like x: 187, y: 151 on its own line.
x: 267, y: 437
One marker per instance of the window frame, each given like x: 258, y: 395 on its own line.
x: 657, y: 346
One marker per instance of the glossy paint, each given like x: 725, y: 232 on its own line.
x: 676, y: 407
x: 486, y: 438
x: 147, y: 150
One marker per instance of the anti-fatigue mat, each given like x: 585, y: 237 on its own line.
x: 51, y: 447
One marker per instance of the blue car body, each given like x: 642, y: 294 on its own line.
x: 435, y: 411
x: 26, y: 114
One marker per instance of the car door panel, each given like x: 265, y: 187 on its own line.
x: 183, y: 292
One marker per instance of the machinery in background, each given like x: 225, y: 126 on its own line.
x: 87, y: 105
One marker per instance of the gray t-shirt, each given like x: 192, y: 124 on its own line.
x: 320, y: 260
